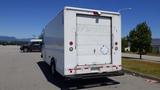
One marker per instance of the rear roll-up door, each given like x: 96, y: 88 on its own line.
x: 93, y: 39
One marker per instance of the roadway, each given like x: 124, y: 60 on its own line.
x: 27, y: 71
x: 144, y: 57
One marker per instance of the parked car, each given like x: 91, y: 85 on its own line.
x: 33, y: 45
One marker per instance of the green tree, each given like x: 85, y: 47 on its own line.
x: 124, y: 43
x: 140, y: 39
x: 133, y: 40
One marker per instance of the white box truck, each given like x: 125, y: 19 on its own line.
x: 80, y: 43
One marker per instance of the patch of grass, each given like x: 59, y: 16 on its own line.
x: 148, y: 68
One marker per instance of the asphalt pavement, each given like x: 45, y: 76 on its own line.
x: 144, y: 57
x: 27, y: 71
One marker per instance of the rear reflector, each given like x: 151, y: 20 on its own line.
x: 86, y: 68
x: 116, y: 48
x: 71, y: 49
x: 70, y: 69
x: 115, y: 66
x: 107, y: 66
x: 77, y: 69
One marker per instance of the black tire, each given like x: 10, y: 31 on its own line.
x: 53, y: 67
x: 25, y: 50
x: 41, y: 55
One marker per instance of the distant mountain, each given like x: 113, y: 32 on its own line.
x: 8, y: 38
x: 155, y: 42
x: 24, y: 39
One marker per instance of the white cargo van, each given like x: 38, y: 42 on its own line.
x: 81, y: 43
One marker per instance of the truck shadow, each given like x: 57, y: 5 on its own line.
x: 74, y: 84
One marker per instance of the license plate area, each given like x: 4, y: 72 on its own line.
x: 94, y: 68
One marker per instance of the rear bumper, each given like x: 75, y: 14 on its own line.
x: 96, y: 75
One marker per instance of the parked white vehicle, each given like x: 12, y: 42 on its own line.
x: 33, y: 45
x: 81, y: 43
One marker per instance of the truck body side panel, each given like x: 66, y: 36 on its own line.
x: 54, y: 42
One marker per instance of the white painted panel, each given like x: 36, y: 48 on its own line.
x: 53, y: 40
x: 93, y: 39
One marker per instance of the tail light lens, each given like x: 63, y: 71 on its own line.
x: 116, y: 43
x: 70, y: 43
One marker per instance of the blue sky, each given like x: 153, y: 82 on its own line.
x: 25, y: 18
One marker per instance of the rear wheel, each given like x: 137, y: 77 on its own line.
x: 53, y: 68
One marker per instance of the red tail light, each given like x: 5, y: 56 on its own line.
x: 70, y: 43
x: 116, y: 43
x: 70, y: 70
